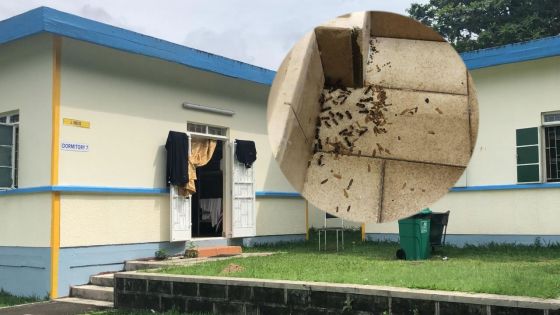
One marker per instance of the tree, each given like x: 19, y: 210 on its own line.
x: 477, y: 24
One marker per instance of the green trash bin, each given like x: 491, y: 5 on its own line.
x: 414, y: 235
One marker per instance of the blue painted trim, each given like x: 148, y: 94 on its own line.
x: 506, y: 187
x: 112, y: 190
x: 461, y: 240
x: 277, y: 194
x: 125, y: 190
x: 518, y: 52
x: 25, y: 270
x: 44, y: 19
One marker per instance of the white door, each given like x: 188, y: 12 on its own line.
x: 180, y: 216
x: 243, y: 199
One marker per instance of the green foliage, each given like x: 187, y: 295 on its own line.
x: 499, y: 269
x: 161, y: 254
x: 477, y: 24
x: 7, y: 299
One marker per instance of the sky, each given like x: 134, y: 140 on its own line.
x: 254, y: 31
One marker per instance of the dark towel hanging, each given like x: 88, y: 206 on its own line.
x: 177, y: 147
x: 246, y: 152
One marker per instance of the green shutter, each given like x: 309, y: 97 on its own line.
x: 527, y: 142
x: 6, y: 148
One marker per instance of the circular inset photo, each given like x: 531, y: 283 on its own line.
x: 372, y: 116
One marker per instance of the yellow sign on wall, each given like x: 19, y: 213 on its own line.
x: 75, y: 123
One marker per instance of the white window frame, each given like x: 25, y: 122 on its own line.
x: 542, y: 151
x: 15, y: 144
x: 206, y: 134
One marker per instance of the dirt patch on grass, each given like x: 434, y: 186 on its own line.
x: 232, y: 268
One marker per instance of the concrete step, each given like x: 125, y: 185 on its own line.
x: 104, y: 280
x: 76, y: 300
x: 92, y: 292
x: 214, y: 251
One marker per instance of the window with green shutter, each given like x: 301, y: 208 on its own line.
x: 528, y: 167
x: 6, y: 156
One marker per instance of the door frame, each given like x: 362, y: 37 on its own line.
x: 227, y: 175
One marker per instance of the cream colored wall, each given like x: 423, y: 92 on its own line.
x: 25, y: 220
x: 25, y: 85
x: 94, y: 219
x: 510, y: 97
x: 132, y: 102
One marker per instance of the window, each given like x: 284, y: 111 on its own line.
x: 552, y: 153
x: 9, y: 149
x: 206, y: 130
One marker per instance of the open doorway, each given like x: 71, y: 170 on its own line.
x: 208, y: 201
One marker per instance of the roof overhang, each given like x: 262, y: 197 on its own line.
x: 44, y: 19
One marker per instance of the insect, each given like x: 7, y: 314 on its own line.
x: 398, y: 137
x: 324, y: 181
x: 348, y: 141
x: 404, y: 185
x: 324, y: 109
x: 369, y: 168
x: 337, y: 176
x: 308, y: 163
x: 335, y: 122
x: 362, y: 131
x: 387, y: 150
x: 363, y: 111
x: 348, y: 114
x: 343, y: 100
x: 368, y: 89
x: 427, y: 100
x: 320, y: 144
x: 318, y: 123
x: 343, y: 131
x: 439, y: 110
x: 336, y: 208
x: 367, y: 99
x: 348, y: 209
x: 345, y: 193
x: 360, y: 105
x: 350, y: 184
x: 320, y: 160
x: 327, y: 124
x: 373, y: 153
x: 339, y: 115
x: 431, y: 132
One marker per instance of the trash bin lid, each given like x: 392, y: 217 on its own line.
x: 426, y: 211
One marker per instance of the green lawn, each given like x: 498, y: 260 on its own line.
x: 499, y: 269
x: 7, y: 299
x: 139, y: 312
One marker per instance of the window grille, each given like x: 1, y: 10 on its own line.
x: 206, y: 129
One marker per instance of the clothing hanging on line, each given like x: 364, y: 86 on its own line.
x: 177, y: 147
x: 246, y: 152
x: 213, y: 208
x: 201, y: 153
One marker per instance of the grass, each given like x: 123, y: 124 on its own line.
x: 7, y: 299
x: 138, y: 312
x: 498, y: 269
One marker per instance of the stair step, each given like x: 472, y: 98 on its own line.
x: 76, y: 300
x: 92, y: 292
x: 218, y: 251
x: 104, y: 280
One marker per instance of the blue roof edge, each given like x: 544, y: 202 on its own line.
x: 512, y: 53
x: 45, y: 19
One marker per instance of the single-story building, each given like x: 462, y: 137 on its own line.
x: 86, y: 108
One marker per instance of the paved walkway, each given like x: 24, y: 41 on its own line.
x: 50, y: 308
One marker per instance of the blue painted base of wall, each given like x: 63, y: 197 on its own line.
x: 269, y: 239
x: 462, y: 240
x: 25, y: 271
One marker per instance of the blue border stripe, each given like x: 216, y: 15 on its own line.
x: 259, y: 194
x: 507, y: 187
x: 277, y: 194
x: 45, y: 19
